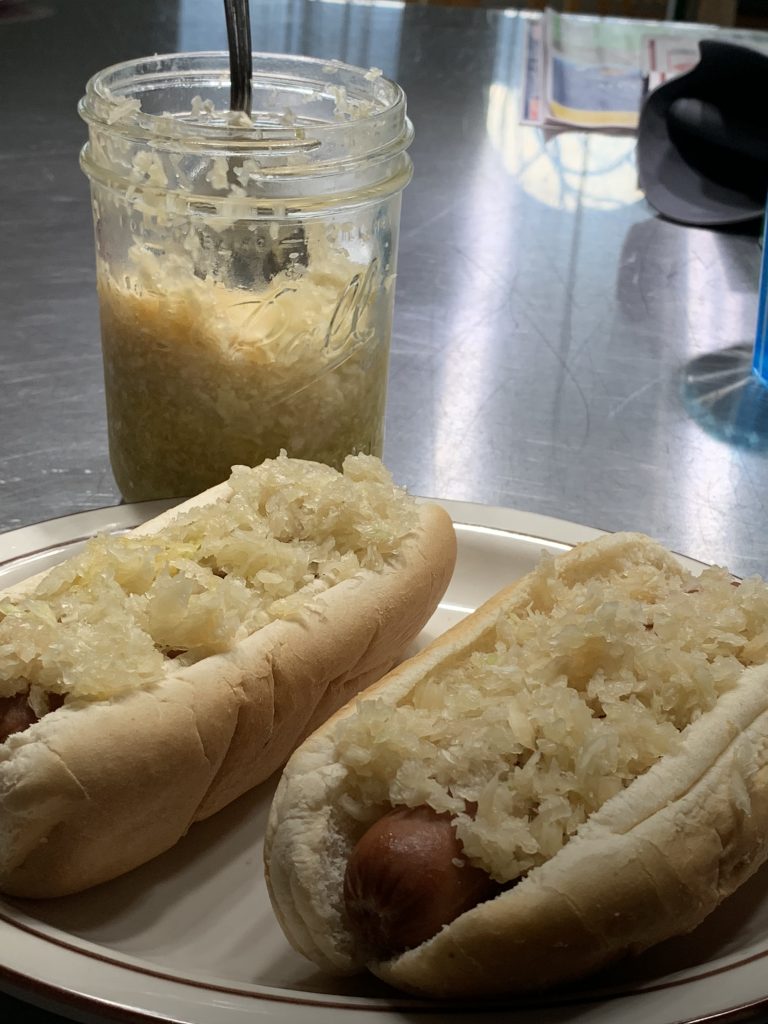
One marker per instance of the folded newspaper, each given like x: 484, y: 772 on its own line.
x: 592, y: 73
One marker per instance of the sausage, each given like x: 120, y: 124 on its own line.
x: 406, y: 878
x: 649, y: 863
x: 15, y: 715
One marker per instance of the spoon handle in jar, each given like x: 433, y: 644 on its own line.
x: 240, y: 61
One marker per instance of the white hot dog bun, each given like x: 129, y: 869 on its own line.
x: 578, y: 770
x: 175, y: 668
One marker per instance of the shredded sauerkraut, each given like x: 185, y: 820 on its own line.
x: 130, y: 608
x: 569, y: 702
x: 301, y: 366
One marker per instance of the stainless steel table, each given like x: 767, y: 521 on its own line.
x: 545, y: 316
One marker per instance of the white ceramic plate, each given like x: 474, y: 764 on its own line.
x: 191, y: 938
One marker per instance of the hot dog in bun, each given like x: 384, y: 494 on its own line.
x: 155, y: 677
x: 575, y: 772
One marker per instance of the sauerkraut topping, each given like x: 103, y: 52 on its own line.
x: 130, y: 608
x: 301, y: 365
x: 570, y: 700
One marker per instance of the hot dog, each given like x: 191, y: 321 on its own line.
x: 155, y: 677
x: 406, y: 878
x: 575, y: 772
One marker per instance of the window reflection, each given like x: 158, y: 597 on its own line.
x: 564, y: 170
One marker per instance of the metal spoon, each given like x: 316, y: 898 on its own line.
x: 240, y: 61
x: 273, y: 252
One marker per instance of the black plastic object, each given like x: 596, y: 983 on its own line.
x: 702, y: 147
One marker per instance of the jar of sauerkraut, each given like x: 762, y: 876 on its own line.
x: 245, y: 264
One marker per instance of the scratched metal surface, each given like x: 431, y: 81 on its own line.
x: 544, y: 314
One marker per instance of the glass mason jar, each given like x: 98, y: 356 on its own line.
x: 245, y: 266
